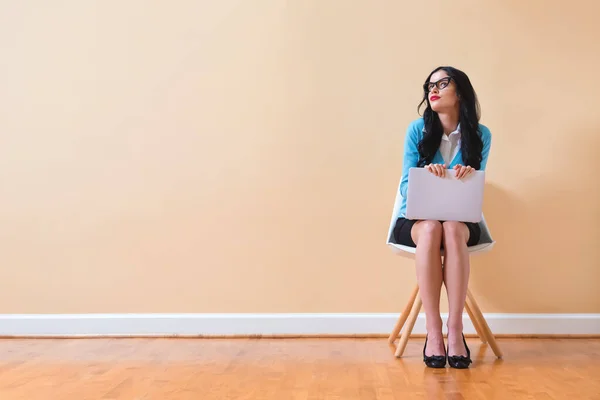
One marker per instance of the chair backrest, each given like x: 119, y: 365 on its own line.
x: 486, y: 242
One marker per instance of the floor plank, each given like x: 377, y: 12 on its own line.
x: 295, y: 369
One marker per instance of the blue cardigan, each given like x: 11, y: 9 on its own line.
x: 414, y: 134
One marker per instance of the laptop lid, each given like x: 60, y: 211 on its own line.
x: 444, y: 199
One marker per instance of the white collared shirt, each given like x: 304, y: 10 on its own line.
x: 450, y: 145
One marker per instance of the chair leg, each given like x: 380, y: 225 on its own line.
x: 483, y: 324
x: 404, y: 315
x: 475, y: 323
x: 412, y: 318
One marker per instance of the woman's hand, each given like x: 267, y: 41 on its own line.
x: 437, y: 169
x: 462, y: 171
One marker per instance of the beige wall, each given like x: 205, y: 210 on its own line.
x: 243, y: 156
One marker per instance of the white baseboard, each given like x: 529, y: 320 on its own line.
x: 69, y: 325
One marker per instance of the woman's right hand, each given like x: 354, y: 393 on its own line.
x: 437, y: 169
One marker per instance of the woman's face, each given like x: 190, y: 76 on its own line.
x: 442, y: 92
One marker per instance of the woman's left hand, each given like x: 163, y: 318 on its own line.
x: 462, y: 171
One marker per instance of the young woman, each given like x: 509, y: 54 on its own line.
x: 448, y: 136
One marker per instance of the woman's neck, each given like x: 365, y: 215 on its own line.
x: 449, y: 121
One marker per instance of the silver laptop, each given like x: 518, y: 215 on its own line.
x: 444, y: 199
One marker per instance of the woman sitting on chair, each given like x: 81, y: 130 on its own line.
x: 448, y: 136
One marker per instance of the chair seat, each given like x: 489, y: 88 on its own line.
x: 409, y: 252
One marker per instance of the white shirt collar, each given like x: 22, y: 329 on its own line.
x: 455, y: 134
x: 450, y: 145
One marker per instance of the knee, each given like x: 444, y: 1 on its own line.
x: 431, y: 229
x: 454, y: 232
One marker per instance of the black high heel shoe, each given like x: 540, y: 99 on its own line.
x: 461, y: 362
x: 434, y: 361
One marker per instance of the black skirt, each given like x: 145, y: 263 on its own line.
x: 404, y: 226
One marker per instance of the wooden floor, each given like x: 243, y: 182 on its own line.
x: 282, y: 369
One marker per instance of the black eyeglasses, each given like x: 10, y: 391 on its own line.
x: 441, y: 84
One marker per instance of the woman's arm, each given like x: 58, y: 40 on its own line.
x: 411, y: 155
x: 486, y: 137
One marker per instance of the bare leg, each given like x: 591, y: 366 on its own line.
x: 456, y: 280
x: 428, y: 237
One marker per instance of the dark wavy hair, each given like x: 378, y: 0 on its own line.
x: 469, y: 115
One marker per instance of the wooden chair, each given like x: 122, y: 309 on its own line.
x: 411, y: 310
